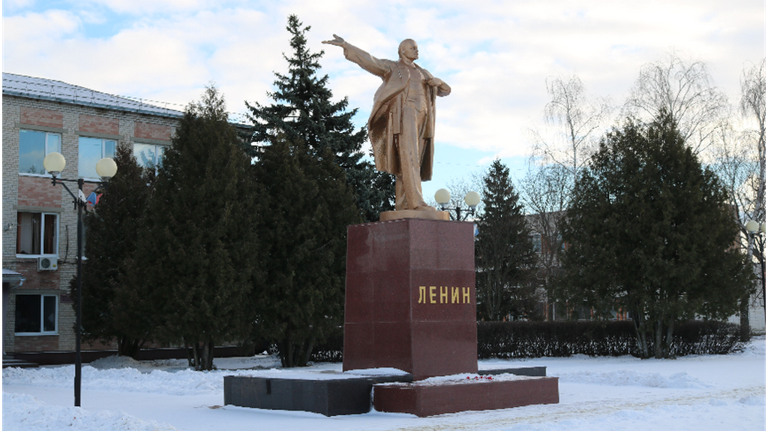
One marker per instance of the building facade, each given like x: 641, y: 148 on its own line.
x: 39, y: 220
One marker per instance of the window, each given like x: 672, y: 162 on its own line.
x: 536, y: 241
x: 33, y: 147
x: 92, y: 150
x: 148, y: 155
x: 37, y: 233
x: 36, y: 314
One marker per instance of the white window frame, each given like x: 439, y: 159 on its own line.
x: 42, y: 235
x: 103, y: 154
x: 42, y: 315
x: 48, y: 149
x: 156, y: 162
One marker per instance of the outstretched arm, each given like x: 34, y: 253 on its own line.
x: 336, y: 41
x: 360, y: 57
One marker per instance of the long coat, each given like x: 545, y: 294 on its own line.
x: 386, y: 116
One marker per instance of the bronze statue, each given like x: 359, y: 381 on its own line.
x: 402, y: 122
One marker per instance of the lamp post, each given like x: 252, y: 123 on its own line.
x: 752, y: 228
x: 472, y: 199
x: 106, y: 168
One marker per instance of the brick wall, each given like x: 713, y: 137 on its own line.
x: 41, y: 117
x: 37, y: 279
x: 37, y: 343
x: 152, y: 131
x: 96, y: 124
x: 38, y: 192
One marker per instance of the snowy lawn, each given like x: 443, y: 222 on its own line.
x: 691, y: 393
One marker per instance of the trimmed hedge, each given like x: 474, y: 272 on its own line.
x: 330, y: 351
x: 523, y: 339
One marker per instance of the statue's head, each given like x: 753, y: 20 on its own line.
x: 408, y: 49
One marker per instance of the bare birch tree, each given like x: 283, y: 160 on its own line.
x: 545, y: 191
x: 684, y: 90
x: 561, y: 150
x: 739, y: 161
x: 577, y: 122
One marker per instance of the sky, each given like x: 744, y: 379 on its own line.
x: 496, y: 55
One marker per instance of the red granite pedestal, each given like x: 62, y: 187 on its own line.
x: 410, y: 305
x: 435, y: 399
x: 410, y: 297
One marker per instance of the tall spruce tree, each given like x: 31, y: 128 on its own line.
x: 649, y: 232
x: 113, y: 231
x: 504, y: 254
x: 198, y: 257
x: 303, y: 112
x: 304, y: 235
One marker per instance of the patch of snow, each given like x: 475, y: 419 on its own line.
x: 755, y: 348
x: 263, y: 361
x: 115, y: 361
x: 702, y: 393
x: 753, y: 400
x: 633, y: 378
x: 22, y: 412
x: 377, y: 372
x: 458, y: 379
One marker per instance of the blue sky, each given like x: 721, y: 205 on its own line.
x: 495, y: 54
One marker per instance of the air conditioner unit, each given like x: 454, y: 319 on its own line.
x: 47, y: 263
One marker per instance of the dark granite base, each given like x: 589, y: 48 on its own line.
x: 330, y: 397
x: 429, y: 400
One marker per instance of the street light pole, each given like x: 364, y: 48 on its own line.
x: 106, y: 168
x: 79, y: 317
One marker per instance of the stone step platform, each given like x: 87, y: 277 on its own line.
x: 438, y: 396
x: 328, y: 393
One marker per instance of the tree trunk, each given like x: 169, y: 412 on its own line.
x: 190, y: 360
x: 309, y: 346
x: 127, y: 346
x: 196, y: 350
x: 668, y: 340
x: 206, y: 356
x: 744, y: 312
x: 658, y: 336
x: 639, y: 325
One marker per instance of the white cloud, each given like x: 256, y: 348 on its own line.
x: 495, y: 55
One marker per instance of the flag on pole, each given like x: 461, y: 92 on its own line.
x: 93, y: 198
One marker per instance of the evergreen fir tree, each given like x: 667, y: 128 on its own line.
x: 113, y: 231
x: 303, y: 112
x: 504, y: 255
x: 649, y: 232
x: 304, y: 233
x: 198, y: 258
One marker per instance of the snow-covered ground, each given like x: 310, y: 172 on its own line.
x: 691, y: 393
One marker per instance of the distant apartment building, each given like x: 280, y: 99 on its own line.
x: 39, y: 220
